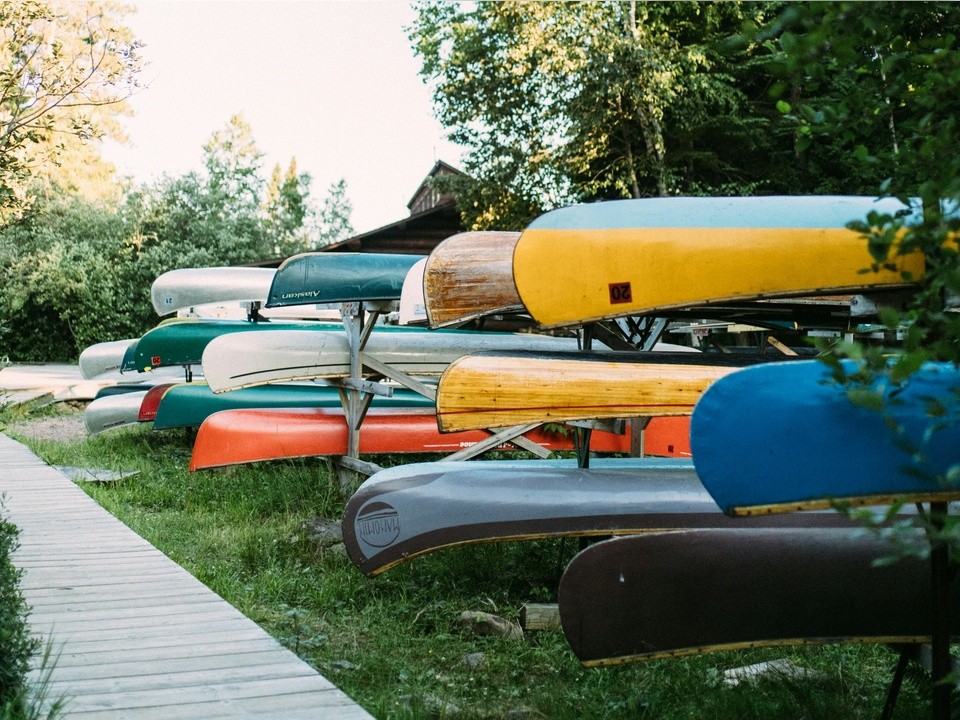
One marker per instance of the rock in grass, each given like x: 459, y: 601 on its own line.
x: 323, y: 532
x: 481, y: 623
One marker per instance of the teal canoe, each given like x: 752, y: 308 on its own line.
x: 189, y: 404
x: 328, y: 277
x: 181, y: 342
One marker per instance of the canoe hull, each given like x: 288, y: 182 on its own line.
x: 694, y: 591
x: 333, y: 277
x: 752, y: 434
x: 412, y: 309
x: 470, y: 275
x: 182, y: 342
x: 113, y: 412
x: 504, y: 389
x: 404, y: 512
x: 234, y: 437
x: 232, y: 362
x: 189, y: 404
x: 189, y: 287
x: 102, y: 358
x: 638, y: 257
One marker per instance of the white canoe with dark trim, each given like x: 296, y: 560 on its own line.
x: 246, y: 359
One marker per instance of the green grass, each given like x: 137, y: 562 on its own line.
x: 393, y: 643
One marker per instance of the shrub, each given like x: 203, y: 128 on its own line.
x: 17, y: 645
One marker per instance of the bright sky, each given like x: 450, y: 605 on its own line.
x: 333, y: 84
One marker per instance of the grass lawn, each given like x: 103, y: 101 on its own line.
x: 394, y: 643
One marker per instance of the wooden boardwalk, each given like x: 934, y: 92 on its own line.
x: 138, y: 636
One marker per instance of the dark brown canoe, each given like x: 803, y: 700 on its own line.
x: 470, y: 275
x: 410, y: 510
x: 695, y: 591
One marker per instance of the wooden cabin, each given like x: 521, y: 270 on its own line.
x: 433, y: 218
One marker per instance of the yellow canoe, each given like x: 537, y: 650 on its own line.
x: 501, y: 389
x: 637, y: 257
x: 470, y: 275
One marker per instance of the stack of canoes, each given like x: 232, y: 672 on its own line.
x: 765, y: 438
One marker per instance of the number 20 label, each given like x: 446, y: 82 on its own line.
x: 620, y: 293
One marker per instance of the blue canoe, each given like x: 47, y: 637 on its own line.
x: 783, y: 437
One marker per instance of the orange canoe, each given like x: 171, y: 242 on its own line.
x: 233, y: 437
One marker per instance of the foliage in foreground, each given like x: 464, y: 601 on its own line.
x: 394, y: 643
x: 17, y: 645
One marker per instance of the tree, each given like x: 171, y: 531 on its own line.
x: 234, y: 163
x: 880, y: 79
x: 286, y: 208
x: 332, y: 221
x: 66, y: 70
x: 564, y: 102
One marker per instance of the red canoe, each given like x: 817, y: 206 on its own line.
x: 232, y: 437
x: 151, y: 402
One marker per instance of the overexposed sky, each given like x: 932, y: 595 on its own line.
x: 333, y: 84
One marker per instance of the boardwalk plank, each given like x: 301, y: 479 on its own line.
x: 138, y: 636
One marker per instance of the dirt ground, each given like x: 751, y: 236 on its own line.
x: 66, y: 426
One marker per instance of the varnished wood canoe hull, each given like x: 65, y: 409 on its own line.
x: 189, y: 287
x: 406, y: 511
x: 245, y: 359
x: 782, y: 437
x: 694, y: 591
x: 328, y: 277
x: 189, y: 404
x: 233, y: 437
x: 638, y: 257
x: 503, y: 389
x: 470, y: 275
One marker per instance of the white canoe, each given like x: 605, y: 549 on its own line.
x: 246, y: 359
x: 113, y: 411
x: 413, y: 309
x: 189, y: 287
x: 102, y: 358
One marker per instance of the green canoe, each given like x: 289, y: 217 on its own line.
x: 329, y: 277
x: 181, y: 342
x: 189, y: 404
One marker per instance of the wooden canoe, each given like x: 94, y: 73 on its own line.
x: 182, y: 341
x: 782, y: 437
x: 497, y: 389
x: 189, y: 404
x: 406, y: 511
x: 334, y: 277
x: 695, y: 591
x: 113, y: 411
x: 470, y: 275
x: 233, y: 437
x: 246, y: 359
x: 102, y: 358
x: 189, y: 287
x: 639, y: 257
